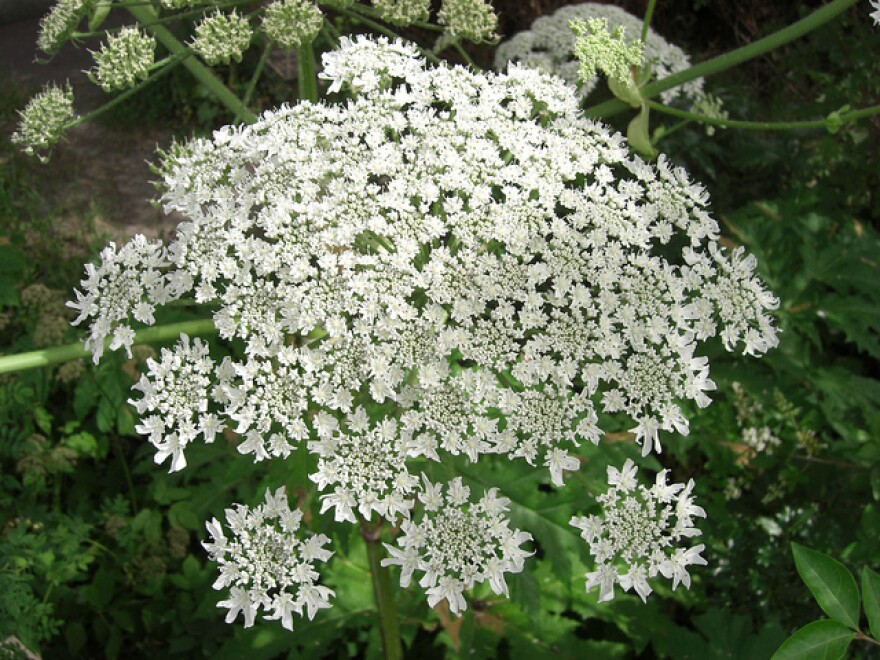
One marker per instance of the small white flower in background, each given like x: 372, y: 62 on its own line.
x: 291, y: 23
x: 549, y: 45
x: 608, y: 52
x: 711, y: 107
x: 269, y: 565
x: 44, y: 119
x: 124, y: 60
x: 761, y: 440
x: 474, y: 20
x: 403, y: 12
x: 640, y: 532
x: 457, y: 544
x: 875, y: 5
x: 57, y: 26
x: 222, y: 38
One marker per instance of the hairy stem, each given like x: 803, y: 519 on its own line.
x: 717, y: 64
x: 391, y: 645
x: 52, y: 356
x: 146, y: 15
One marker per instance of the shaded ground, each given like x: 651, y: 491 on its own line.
x: 97, y: 165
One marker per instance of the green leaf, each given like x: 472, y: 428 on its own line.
x: 831, y: 584
x: 820, y: 640
x: 99, y: 13
x: 871, y: 599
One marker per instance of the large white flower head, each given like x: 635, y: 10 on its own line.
x: 461, y: 247
x: 457, y: 544
x: 549, y: 45
x: 268, y: 562
x: 640, y: 533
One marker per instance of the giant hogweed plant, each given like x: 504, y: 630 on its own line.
x: 447, y: 264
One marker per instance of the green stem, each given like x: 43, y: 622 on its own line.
x: 145, y: 15
x: 252, y: 85
x: 669, y: 131
x: 649, y: 13
x: 467, y: 58
x: 763, y: 125
x: 734, y: 57
x: 306, y: 77
x: 382, y: 592
x: 52, y: 356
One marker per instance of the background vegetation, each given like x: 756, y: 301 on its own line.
x: 99, y: 549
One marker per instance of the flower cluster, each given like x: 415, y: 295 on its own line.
x: 457, y: 544
x: 474, y: 20
x: 222, y: 38
x: 403, y: 12
x: 174, y: 5
x: 598, y: 50
x: 290, y: 23
x: 44, y: 119
x: 709, y: 106
x: 268, y: 565
x: 449, y: 262
x: 124, y: 60
x: 57, y: 26
x: 640, y: 532
x: 550, y: 46
x: 875, y: 5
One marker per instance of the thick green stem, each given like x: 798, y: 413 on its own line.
x: 252, y: 85
x: 306, y: 76
x: 765, y: 125
x: 147, y: 15
x: 391, y: 644
x: 649, y: 13
x: 794, y: 31
x: 52, y: 356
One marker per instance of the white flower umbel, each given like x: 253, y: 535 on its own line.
x: 457, y: 544
x: 875, y: 5
x: 124, y: 60
x: 291, y: 23
x: 366, y: 466
x: 129, y: 282
x: 549, y: 45
x: 269, y: 565
x: 44, y: 120
x: 222, y: 38
x: 641, y: 533
x: 176, y: 396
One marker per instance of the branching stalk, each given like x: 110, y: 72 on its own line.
x: 717, y: 64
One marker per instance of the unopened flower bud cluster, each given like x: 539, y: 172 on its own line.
x: 549, y: 45
x: 290, y: 23
x: 58, y: 25
x: 44, y: 119
x: 222, y: 38
x: 124, y: 60
x: 452, y: 263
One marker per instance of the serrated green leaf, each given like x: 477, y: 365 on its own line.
x: 871, y: 599
x: 831, y: 584
x: 820, y: 640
